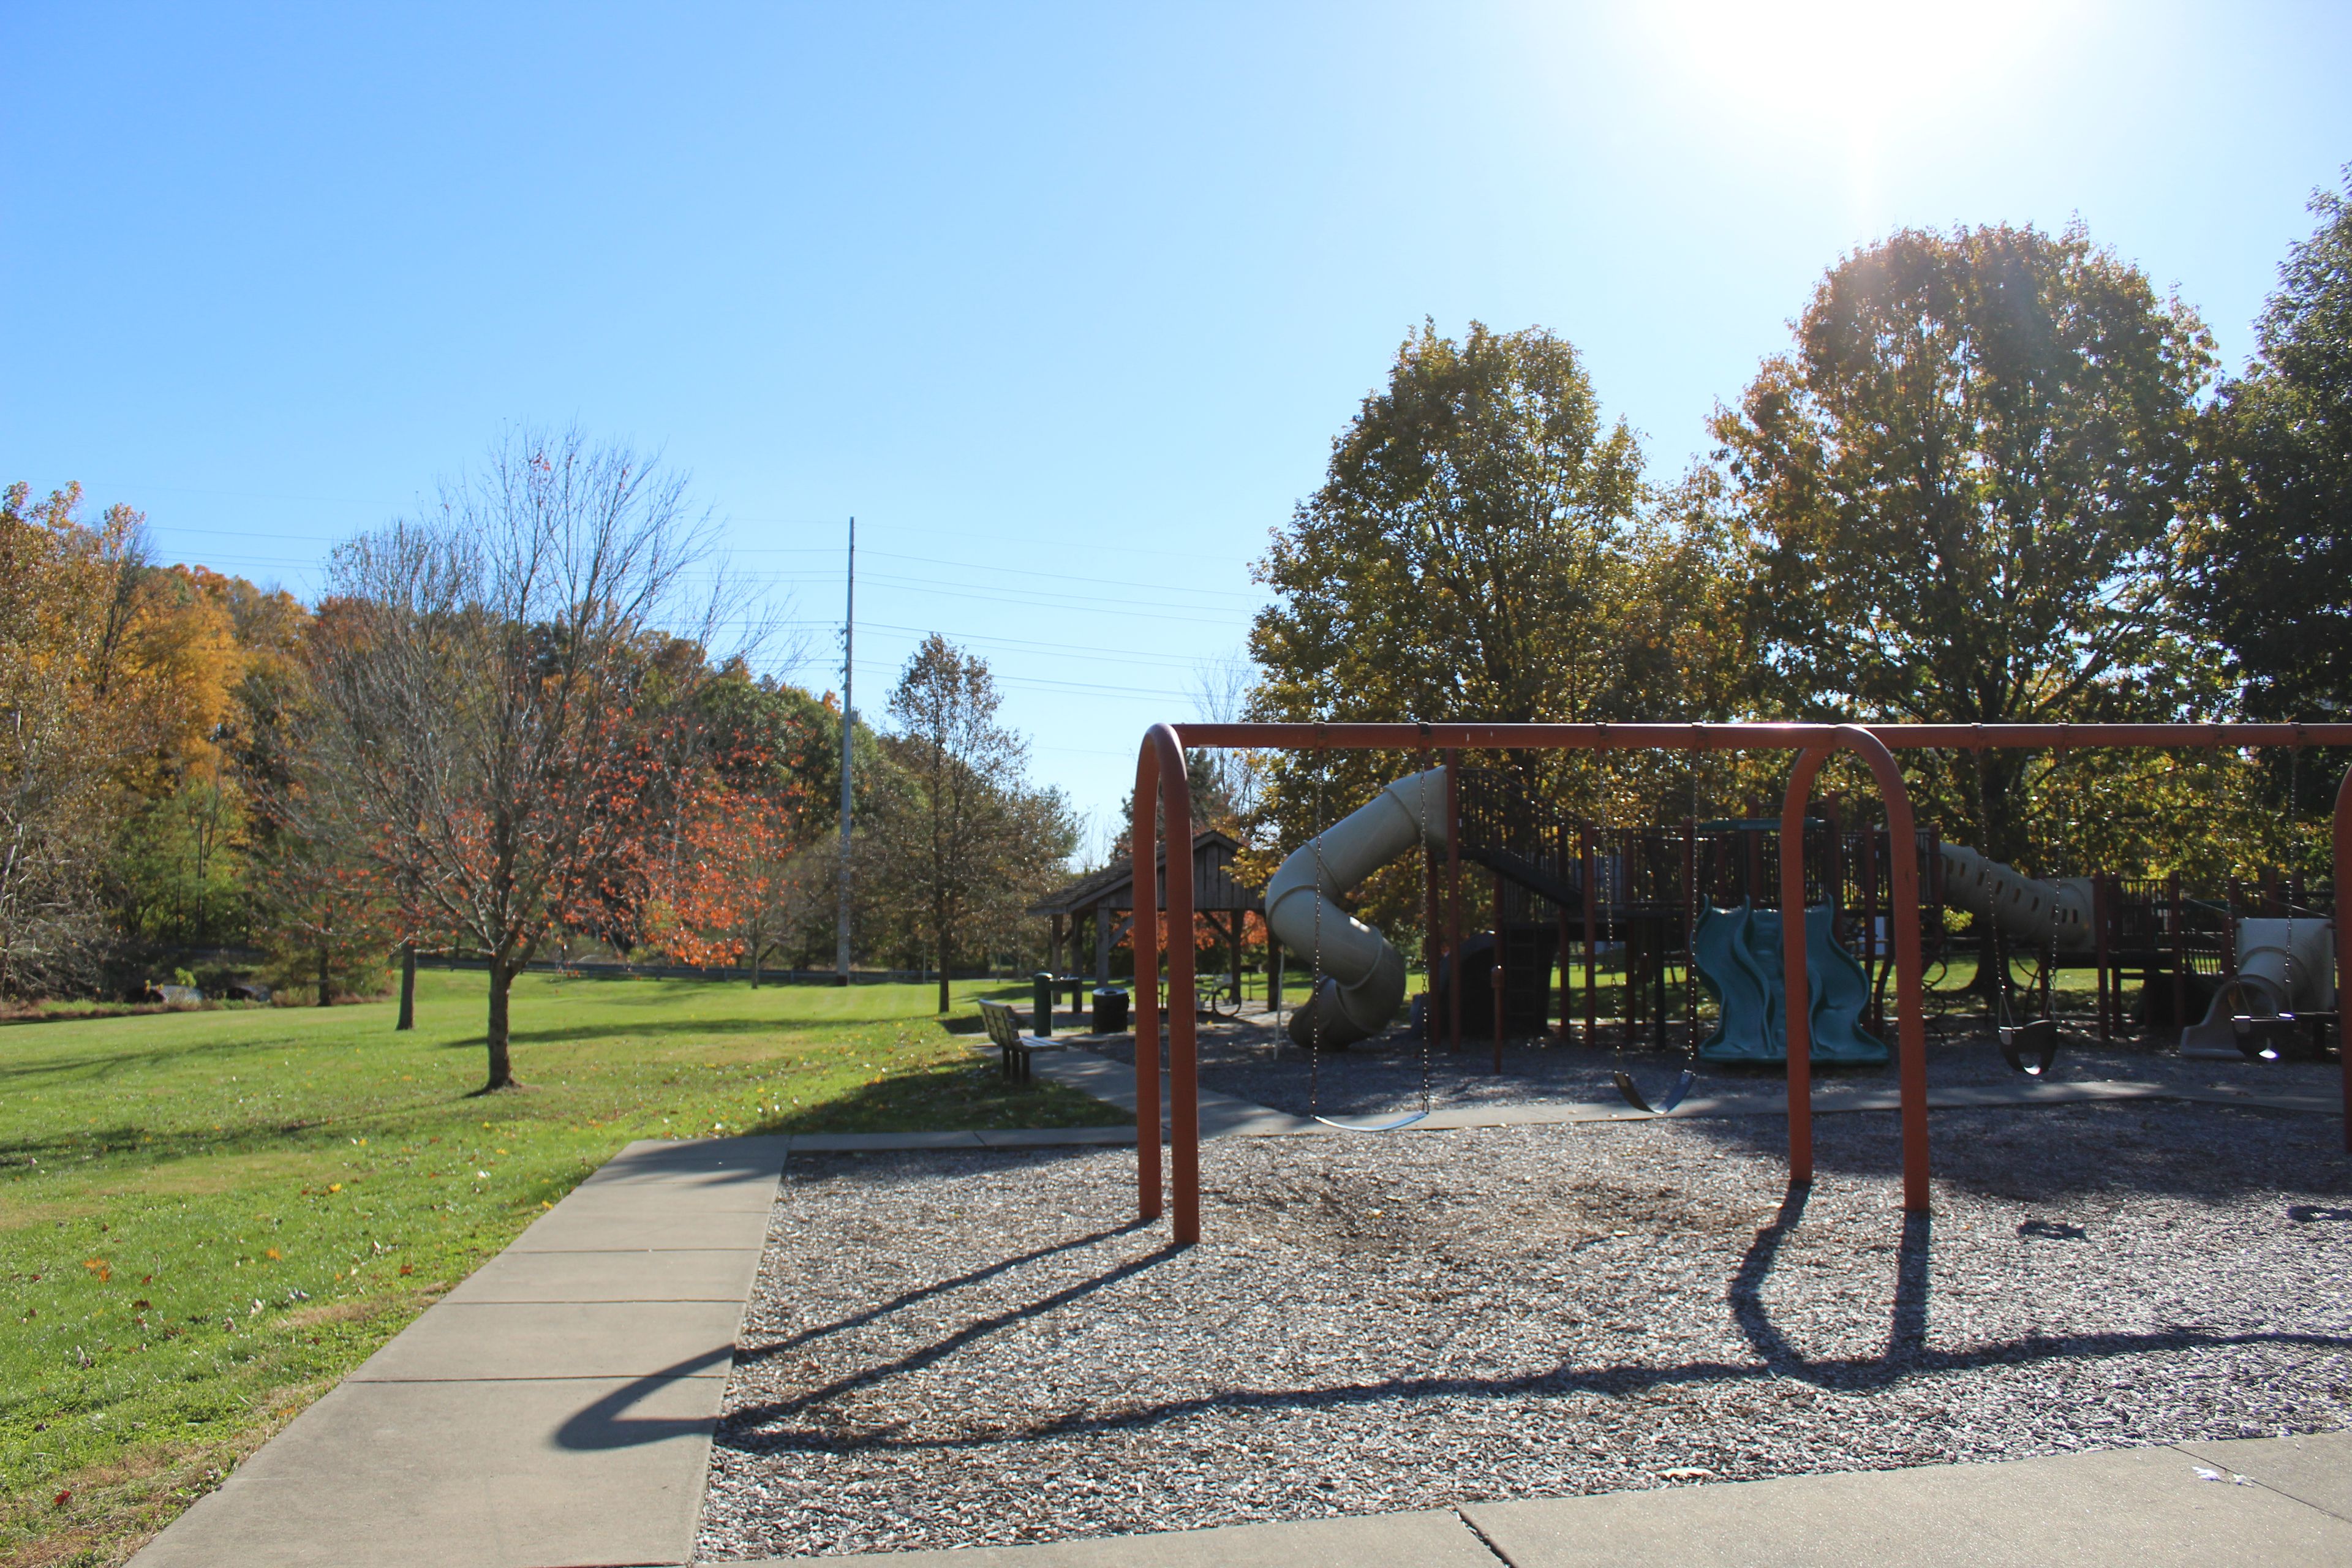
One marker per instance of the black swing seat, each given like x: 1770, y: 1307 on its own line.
x: 1634, y: 1098
x: 2264, y: 1037
x: 2032, y: 1047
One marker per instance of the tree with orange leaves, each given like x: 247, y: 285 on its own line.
x: 495, y: 698
x: 70, y: 717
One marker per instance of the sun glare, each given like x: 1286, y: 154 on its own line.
x: 1851, y: 63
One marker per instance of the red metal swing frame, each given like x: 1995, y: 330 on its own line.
x: 1160, y: 779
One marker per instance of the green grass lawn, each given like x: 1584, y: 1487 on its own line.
x: 207, y: 1219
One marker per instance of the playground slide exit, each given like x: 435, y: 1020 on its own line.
x: 1739, y: 963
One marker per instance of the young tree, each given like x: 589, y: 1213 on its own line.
x: 952, y: 835
x: 323, y: 913
x: 2271, y: 566
x: 493, y: 692
x: 1961, y: 484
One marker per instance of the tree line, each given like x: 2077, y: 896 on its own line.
x: 1993, y: 479
x: 523, y: 723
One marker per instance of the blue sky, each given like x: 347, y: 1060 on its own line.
x: 1065, y: 303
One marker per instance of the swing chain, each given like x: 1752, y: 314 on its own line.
x: 1428, y: 900
x: 1314, y: 966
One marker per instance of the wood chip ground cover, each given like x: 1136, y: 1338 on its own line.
x: 965, y: 1349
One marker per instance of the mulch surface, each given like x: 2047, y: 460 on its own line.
x: 953, y: 1349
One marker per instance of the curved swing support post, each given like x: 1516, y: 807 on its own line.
x: 1912, y: 1036
x: 1159, y: 780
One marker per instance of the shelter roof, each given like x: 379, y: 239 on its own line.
x: 1213, y: 884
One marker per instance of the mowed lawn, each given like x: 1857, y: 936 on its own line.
x: 207, y: 1219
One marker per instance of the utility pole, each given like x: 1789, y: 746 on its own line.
x: 848, y: 747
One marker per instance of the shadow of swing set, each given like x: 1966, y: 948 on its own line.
x: 1311, y: 874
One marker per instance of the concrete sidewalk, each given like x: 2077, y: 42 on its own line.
x: 2196, y: 1505
x: 555, y: 1408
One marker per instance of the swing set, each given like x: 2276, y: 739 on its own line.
x: 1160, y: 778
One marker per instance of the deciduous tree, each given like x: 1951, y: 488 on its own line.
x: 959, y: 841
x: 2271, y: 563
x: 1962, y: 482
x: 1483, y: 549
x: 67, y: 725
x: 495, y: 687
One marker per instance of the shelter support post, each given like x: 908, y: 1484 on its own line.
x: 1235, y: 917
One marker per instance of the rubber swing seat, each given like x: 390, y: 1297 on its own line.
x: 1388, y: 1126
x: 2031, y: 1047
x: 1634, y: 1097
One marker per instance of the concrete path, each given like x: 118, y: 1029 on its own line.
x: 2196, y: 1505
x: 556, y: 1408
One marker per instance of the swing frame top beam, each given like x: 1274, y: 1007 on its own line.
x: 1160, y: 778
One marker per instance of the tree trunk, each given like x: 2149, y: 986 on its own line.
x: 943, y: 971
x: 407, y: 986
x: 326, y: 983
x: 502, y: 974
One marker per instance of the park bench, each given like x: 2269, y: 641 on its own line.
x: 1003, y: 1027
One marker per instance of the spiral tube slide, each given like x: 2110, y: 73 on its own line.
x: 1364, y: 975
x: 2023, y: 906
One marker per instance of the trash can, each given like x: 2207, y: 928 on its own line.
x: 1040, y: 1004
x: 1110, y: 1010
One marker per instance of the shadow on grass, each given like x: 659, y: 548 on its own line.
x: 960, y: 1094
x: 86, y: 1066
x: 568, y: 1033
x: 130, y: 1141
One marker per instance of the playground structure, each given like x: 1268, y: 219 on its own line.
x: 1701, y: 896
x: 1397, y: 824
